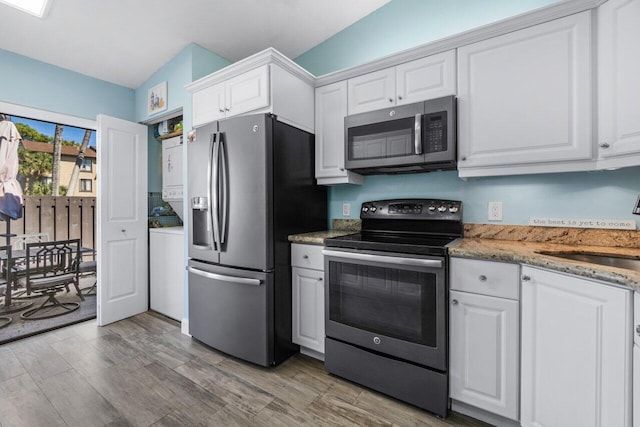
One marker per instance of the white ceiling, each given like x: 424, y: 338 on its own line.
x: 126, y: 41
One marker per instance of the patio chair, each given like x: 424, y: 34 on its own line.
x: 19, y: 241
x: 50, y: 268
x: 89, y: 268
x: 5, y: 256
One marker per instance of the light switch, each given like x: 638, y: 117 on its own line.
x: 346, y: 209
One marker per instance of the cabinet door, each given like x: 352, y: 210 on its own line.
x: 576, y: 351
x: 525, y: 97
x: 618, y: 83
x: 484, y: 352
x: 636, y: 386
x: 426, y: 78
x: 208, y: 104
x: 372, y: 91
x: 247, y: 92
x: 331, y: 109
x: 308, y: 308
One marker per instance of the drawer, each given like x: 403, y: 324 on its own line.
x: 498, y: 279
x: 307, y: 256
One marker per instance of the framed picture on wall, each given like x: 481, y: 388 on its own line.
x: 157, y: 99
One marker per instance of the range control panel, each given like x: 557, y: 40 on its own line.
x: 421, y: 209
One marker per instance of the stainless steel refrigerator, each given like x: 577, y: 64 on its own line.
x: 251, y: 184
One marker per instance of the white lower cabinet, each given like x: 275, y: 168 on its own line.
x: 576, y: 351
x: 484, y: 336
x: 307, y: 265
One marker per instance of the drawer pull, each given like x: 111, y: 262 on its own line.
x: 454, y: 302
x: 526, y: 278
x: 305, y: 256
x: 638, y: 329
x: 482, y: 278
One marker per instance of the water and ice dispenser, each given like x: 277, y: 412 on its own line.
x: 200, y: 221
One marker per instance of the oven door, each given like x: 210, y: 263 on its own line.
x: 390, y: 303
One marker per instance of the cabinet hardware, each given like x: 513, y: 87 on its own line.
x: 526, y: 278
x: 390, y: 99
x: 605, y: 145
x: 462, y: 159
x: 482, y: 278
x: 638, y: 329
x: 454, y: 302
x: 399, y: 97
x: 305, y: 256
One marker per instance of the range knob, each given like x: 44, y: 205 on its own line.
x: 365, y: 209
x: 453, y: 209
x: 373, y: 209
x: 432, y: 208
x: 442, y: 208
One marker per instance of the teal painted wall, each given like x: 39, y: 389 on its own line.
x: 36, y: 84
x: 402, y: 24
x: 190, y: 64
x: 587, y: 195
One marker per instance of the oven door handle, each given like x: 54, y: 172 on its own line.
x: 432, y: 263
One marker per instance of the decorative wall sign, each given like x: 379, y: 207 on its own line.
x: 615, y: 224
x: 157, y: 99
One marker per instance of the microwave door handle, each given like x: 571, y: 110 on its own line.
x: 224, y: 189
x: 216, y: 189
x: 417, y: 140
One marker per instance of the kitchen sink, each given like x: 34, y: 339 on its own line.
x: 618, y: 261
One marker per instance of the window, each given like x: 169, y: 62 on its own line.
x: 86, y: 185
x: 46, y: 180
x: 87, y: 165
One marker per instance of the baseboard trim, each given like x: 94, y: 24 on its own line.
x: 185, y: 326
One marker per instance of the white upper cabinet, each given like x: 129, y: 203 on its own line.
x: 619, y: 83
x: 246, y: 92
x: 525, y: 100
x: 266, y: 82
x: 331, y: 109
x: 419, y: 80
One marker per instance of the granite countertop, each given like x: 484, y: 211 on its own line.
x: 341, y: 227
x: 525, y: 252
x: 317, y: 237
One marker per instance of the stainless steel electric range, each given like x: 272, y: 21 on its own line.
x: 386, y: 294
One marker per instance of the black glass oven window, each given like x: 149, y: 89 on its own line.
x: 392, y: 302
x: 394, y: 138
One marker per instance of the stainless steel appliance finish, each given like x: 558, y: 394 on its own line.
x: 409, y: 138
x: 386, y: 300
x: 251, y: 184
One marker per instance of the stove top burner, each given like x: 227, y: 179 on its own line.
x: 388, y: 242
x: 411, y: 226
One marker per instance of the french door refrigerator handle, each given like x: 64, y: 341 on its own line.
x: 210, y: 188
x: 224, y: 188
x: 432, y: 263
x: 216, y: 188
x: 417, y: 139
x: 232, y: 279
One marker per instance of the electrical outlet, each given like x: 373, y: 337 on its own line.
x: 346, y: 209
x: 495, y: 211
x: 636, y: 209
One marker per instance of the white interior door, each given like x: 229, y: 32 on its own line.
x: 122, y: 219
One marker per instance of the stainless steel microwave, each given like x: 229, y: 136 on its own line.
x: 409, y: 138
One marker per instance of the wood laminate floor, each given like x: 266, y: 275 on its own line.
x: 143, y: 372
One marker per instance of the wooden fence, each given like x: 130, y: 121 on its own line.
x: 61, y: 217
